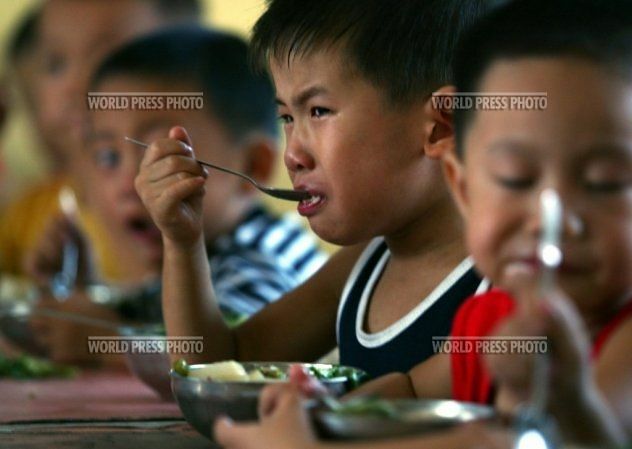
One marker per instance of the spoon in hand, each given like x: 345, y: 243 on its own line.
x: 533, y: 421
x: 284, y: 194
x: 63, y: 283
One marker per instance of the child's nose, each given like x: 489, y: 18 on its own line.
x: 297, y: 157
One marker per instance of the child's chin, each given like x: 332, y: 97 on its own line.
x: 153, y: 254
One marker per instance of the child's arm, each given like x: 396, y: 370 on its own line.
x: 430, y: 379
x: 300, y: 326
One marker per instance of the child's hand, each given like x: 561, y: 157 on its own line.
x: 574, y: 398
x: 287, y: 426
x: 300, y: 380
x: 171, y: 185
x: 44, y: 260
x: 67, y: 342
x: 567, y: 344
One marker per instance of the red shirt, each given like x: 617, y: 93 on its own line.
x: 479, y: 316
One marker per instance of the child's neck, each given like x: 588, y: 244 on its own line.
x: 439, y: 230
x: 421, y: 258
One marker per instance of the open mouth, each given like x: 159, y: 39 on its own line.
x: 312, y: 200
x: 311, y: 205
x: 143, y: 228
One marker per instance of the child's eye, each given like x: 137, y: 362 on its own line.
x: 319, y: 112
x: 515, y: 183
x: 607, y: 178
x: 606, y: 186
x: 107, y: 158
x: 285, y: 119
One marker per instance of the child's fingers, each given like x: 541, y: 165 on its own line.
x: 175, y: 193
x: 173, y: 164
x: 306, y: 384
x: 567, y: 334
x: 269, y: 397
x: 181, y: 134
x: 162, y: 148
x: 230, y: 435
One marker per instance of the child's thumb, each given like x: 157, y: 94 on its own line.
x: 179, y: 133
x: 306, y: 384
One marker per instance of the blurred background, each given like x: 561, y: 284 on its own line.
x: 20, y: 169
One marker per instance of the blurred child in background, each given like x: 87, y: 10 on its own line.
x: 71, y: 38
x: 255, y: 255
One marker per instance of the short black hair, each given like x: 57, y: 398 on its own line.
x: 402, y: 47
x: 215, y: 62
x: 24, y: 38
x: 595, y: 30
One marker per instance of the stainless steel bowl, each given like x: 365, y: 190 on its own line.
x: 202, y: 401
x: 150, y: 367
x: 410, y: 417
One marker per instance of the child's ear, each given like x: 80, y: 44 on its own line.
x: 439, y: 127
x: 259, y: 157
x: 454, y: 173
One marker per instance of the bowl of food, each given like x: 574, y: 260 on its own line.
x: 207, y: 391
x: 371, y: 418
x: 147, y: 357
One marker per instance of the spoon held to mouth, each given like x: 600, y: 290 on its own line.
x: 283, y: 194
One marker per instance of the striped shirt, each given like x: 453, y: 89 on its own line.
x: 264, y: 257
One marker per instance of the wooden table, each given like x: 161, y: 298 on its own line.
x: 104, y: 409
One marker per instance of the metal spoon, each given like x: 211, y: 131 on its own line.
x: 63, y: 283
x: 536, y: 429
x: 23, y: 311
x: 284, y: 194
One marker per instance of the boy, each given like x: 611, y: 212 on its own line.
x: 255, y: 256
x: 352, y: 81
x: 580, y: 145
x: 70, y: 38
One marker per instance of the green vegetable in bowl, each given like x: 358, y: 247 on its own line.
x: 355, y: 377
x: 273, y: 372
x: 181, y: 367
x: 27, y: 367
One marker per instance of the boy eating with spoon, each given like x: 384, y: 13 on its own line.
x: 353, y: 81
x: 579, y: 145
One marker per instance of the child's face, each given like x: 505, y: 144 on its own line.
x: 581, y: 145
x: 357, y: 156
x: 76, y: 35
x: 114, y: 163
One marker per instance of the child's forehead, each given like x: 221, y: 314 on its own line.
x: 584, y: 102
